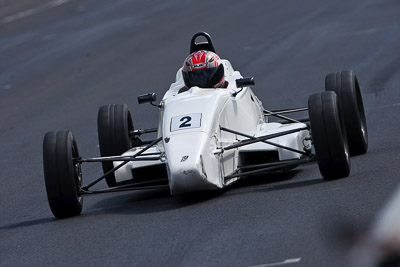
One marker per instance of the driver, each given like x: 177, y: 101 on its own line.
x: 204, y: 69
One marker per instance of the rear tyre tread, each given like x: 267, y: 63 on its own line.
x: 114, y: 125
x: 345, y: 84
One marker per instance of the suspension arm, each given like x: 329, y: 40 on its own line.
x: 122, y: 164
x: 261, y: 138
x: 267, y: 142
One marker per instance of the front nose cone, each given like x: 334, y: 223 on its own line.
x: 191, y: 164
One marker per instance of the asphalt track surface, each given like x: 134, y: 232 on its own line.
x: 59, y: 66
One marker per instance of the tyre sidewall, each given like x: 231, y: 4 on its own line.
x: 328, y: 136
x: 60, y: 172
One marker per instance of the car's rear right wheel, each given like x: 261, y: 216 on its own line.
x: 329, y: 136
x: 345, y: 85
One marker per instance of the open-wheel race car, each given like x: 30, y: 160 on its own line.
x: 209, y: 135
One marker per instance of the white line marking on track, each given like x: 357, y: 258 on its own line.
x: 288, y: 261
x: 32, y: 11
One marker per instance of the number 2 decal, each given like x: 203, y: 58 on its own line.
x: 185, y: 122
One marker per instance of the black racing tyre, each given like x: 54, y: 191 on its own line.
x: 63, y: 176
x: 345, y: 85
x: 114, y: 127
x: 329, y: 136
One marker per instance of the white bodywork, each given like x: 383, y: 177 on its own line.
x: 190, y: 126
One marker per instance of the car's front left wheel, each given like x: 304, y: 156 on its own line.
x: 62, y: 173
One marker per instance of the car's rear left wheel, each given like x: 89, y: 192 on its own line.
x: 115, y: 128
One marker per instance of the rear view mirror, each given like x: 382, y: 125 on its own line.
x: 244, y: 82
x: 146, y: 98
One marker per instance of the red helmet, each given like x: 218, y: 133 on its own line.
x: 203, y: 69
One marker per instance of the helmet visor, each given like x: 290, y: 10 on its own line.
x: 205, y: 78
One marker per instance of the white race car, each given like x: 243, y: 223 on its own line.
x: 208, y: 138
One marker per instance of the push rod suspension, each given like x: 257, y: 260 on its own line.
x: 122, y: 164
x: 266, y: 142
x: 151, y: 154
x: 264, y: 165
x: 284, y: 111
x: 126, y: 187
x: 261, y: 138
x: 111, y: 190
x: 145, y: 131
x: 270, y: 113
x: 236, y: 173
x: 128, y: 158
